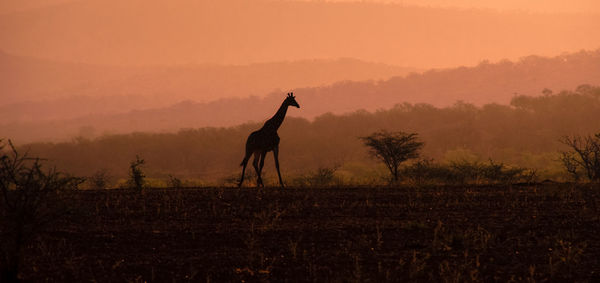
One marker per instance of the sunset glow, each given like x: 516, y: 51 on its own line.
x: 299, y: 140
x: 66, y: 59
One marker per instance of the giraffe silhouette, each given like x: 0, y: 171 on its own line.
x: 266, y: 139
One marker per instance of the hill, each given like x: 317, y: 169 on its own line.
x: 37, y: 89
x: 483, y: 84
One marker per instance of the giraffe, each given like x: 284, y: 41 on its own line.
x: 266, y: 139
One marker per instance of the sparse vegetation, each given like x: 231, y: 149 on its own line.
x: 137, y: 178
x: 523, y: 134
x: 322, y: 177
x: 30, y: 200
x: 583, y: 157
x: 99, y: 180
x: 448, y: 190
x: 459, y: 219
x: 410, y: 234
x: 464, y: 172
x: 175, y: 182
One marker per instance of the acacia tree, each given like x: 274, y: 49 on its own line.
x: 393, y: 148
x: 583, y: 156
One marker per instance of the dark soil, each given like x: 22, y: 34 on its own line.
x: 476, y: 233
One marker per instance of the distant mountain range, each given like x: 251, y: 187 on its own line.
x: 486, y: 83
x: 35, y: 89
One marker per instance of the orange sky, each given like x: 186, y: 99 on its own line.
x: 142, y: 54
x: 545, y: 6
x: 141, y: 32
x: 552, y: 6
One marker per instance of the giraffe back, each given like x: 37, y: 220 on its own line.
x: 262, y: 141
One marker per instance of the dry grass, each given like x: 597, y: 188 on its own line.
x: 443, y: 234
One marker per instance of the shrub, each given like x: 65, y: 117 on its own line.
x: 175, y: 182
x: 426, y: 171
x: 323, y: 176
x: 99, y: 180
x: 137, y: 178
x: 465, y: 172
x: 28, y: 202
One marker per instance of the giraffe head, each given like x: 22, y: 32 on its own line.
x: 291, y: 100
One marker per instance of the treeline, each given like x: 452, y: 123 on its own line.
x: 480, y: 85
x: 525, y: 133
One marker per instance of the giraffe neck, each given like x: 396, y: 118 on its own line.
x: 275, y: 122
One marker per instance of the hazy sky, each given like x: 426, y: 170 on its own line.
x: 550, y: 6
x: 547, y: 6
x: 165, y: 51
x: 159, y: 32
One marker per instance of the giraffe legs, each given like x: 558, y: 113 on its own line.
x: 276, y: 155
x: 261, y: 165
x: 244, y: 163
x: 258, y: 163
x: 257, y: 156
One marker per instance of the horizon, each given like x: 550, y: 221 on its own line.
x: 69, y: 60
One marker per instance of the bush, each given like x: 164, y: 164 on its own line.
x: 425, y: 171
x: 322, y: 177
x: 28, y: 202
x: 99, y: 180
x: 137, y: 178
x: 465, y: 172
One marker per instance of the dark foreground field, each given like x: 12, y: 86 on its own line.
x: 528, y: 233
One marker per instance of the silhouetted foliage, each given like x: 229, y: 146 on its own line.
x: 321, y: 177
x: 28, y: 203
x: 465, y: 172
x: 583, y: 156
x: 426, y: 171
x: 137, y: 178
x: 99, y: 180
x: 393, y: 148
x: 175, y: 182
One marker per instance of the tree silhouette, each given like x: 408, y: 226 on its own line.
x: 393, y: 148
x: 585, y: 154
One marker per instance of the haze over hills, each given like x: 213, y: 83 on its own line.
x: 141, y: 32
x: 486, y: 83
x: 86, y: 67
x: 36, y: 89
